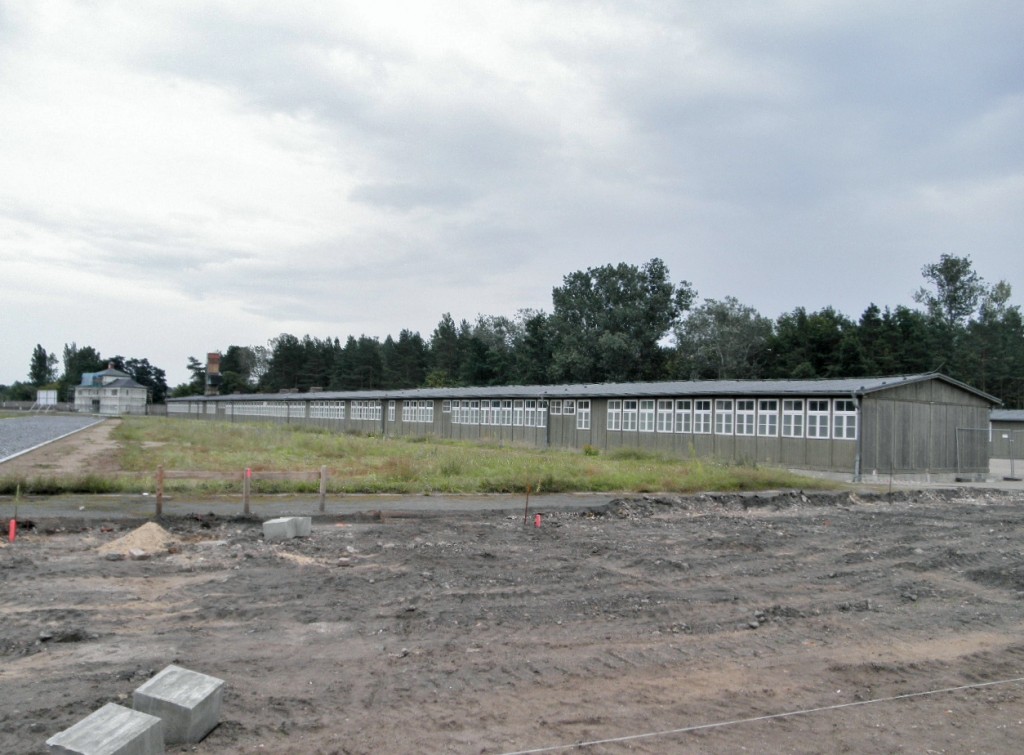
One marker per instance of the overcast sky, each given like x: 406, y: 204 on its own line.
x: 179, y: 177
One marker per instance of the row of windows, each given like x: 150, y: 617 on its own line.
x: 497, y: 412
x: 792, y: 418
x: 369, y: 410
x: 811, y: 418
x: 327, y: 410
x: 413, y: 411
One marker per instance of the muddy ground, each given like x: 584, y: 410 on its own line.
x: 473, y: 633
x: 894, y: 620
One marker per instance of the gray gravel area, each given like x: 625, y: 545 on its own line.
x: 19, y: 434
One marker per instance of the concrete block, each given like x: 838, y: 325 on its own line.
x: 187, y: 701
x: 279, y: 529
x: 111, y: 730
x: 286, y: 527
x: 303, y: 526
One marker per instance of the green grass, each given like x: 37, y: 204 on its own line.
x: 360, y: 464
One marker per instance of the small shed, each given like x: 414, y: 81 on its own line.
x: 1006, y: 433
x: 110, y: 392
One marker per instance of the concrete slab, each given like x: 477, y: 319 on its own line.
x: 187, y: 701
x: 111, y: 730
x: 286, y: 527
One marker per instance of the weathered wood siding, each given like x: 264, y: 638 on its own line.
x: 926, y: 427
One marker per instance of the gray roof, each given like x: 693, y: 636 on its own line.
x: 125, y: 382
x: 825, y: 387
x: 1007, y: 415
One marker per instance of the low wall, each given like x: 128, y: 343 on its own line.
x: 27, y: 406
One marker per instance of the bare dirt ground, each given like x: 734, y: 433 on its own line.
x: 883, y: 623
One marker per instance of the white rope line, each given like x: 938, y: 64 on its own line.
x: 719, y: 724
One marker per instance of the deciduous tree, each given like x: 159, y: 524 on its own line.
x: 608, y: 322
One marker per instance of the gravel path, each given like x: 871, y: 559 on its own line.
x: 19, y: 434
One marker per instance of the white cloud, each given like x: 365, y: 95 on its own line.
x: 234, y: 170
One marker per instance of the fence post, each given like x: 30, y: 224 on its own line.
x: 160, y: 490
x: 246, y: 489
x: 323, y: 488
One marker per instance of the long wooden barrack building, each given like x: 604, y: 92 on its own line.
x: 927, y: 424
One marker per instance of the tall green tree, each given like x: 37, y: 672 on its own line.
x: 287, y: 357
x: 955, y: 290
x: 42, y: 368
x: 359, y: 366
x: 608, y: 322
x: 77, y: 361
x: 809, y: 345
x: 151, y: 376
x: 404, y: 362
x: 995, y: 347
x: 445, y: 357
x: 532, y: 349
x: 722, y: 340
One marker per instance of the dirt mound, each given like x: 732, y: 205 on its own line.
x: 149, y: 538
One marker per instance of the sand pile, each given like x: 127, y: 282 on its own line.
x: 149, y: 538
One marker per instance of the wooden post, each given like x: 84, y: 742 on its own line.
x: 323, y: 488
x: 246, y: 489
x: 160, y: 490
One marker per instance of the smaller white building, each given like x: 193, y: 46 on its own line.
x: 110, y: 392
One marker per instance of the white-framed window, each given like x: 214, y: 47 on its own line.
x: 844, y: 414
x: 474, y: 412
x: 485, y: 412
x: 702, y: 416
x: 517, y: 412
x: 723, y: 416
x: 768, y: 417
x: 542, y: 413
x: 745, y: 415
x: 446, y: 406
x: 817, y: 418
x: 391, y: 410
x: 614, y: 414
x: 531, y: 412
x: 366, y: 410
x: 647, y: 415
x: 684, y: 415
x: 629, y: 415
x: 456, y: 410
x: 495, y: 412
x: 793, y: 418
x: 569, y: 406
x: 556, y: 406
x: 664, y: 415
x: 583, y: 414
x: 506, y: 412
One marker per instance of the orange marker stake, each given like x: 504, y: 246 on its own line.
x: 536, y: 521
x: 14, y: 530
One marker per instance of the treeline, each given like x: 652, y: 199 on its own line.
x: 622, y: 323
x: 46, y: 372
